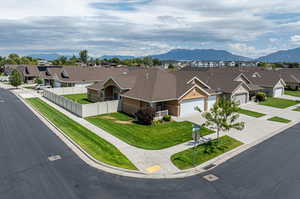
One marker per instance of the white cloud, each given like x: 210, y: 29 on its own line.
x: 250, y: 51
x: 295, y: 39
x: 150, y: 27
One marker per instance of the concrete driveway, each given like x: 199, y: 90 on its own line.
x: 255, y: 128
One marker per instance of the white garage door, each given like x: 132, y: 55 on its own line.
x: 211, y: 102
x: 187, y: 107
x: 278, y: 92
x: 240, y: 98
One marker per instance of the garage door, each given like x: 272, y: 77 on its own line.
x: 240, y: 98
x: 187, y: 107
x: 211, y: 102
x: 278, y: 92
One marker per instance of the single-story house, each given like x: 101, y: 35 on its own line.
x: 77, y: 76
x: 257, y: 79
x: 270, y: 81
x: 29, y: 72
x: 291, y: 77
x: 175, y: 93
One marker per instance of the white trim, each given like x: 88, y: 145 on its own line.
x: 241, y: 74
x: 195, y: 86
x: 256, y: 73
x: 283, y: 82
x: 199, y: 81
x: 241, y: 84
x: 111, y: 78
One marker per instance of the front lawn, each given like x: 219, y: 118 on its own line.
x: 153, y: 137
x: 279, y: 119
x: 279, y: 103
x: 250, y: 113
x: 292, y: 93
x: 191, y: 158
x: 90, y: 142
x: 79, y: 98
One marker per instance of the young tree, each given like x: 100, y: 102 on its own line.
x: 83, y: 56
x: 15, y: 78
x: 223, y: 117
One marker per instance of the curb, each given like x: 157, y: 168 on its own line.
x: 138, y: 174
x: 107, y: 168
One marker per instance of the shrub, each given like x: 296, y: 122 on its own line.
x: 38, y: 81
x: 145, y: 116
x: 261, y: 96
x: 167, y: 118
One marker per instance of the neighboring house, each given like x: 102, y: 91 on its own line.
x: 271, y: 81
x: 257, y: 79
x: 44, y: 63
x: 76, y: 76
x: 29, y: 72
x: 291, y: 77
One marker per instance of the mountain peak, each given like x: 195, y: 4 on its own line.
x: 291, y: 55
x: 200, y: 54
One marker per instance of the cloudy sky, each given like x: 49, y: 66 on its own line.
x: 142, y: 27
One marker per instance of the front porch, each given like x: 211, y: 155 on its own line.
x: 132, y: 106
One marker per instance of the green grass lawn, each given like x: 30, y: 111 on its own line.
x: 279, y: 119
x: 152, y: 137
x: 279, y: 103
x: 204, y: 152
x: 251, y: 113
x: 297, y: 109
x: 90, y: 142
x: 79, y: 98
x: 292, y: 93
x: 30, y: 87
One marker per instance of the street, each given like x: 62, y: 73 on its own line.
x: 269, y: 170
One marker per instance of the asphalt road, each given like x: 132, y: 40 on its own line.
x: 270, y: 170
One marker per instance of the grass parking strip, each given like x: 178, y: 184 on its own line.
x: 279, y: 119
x: 297, y: 109
x: 188, y: 159
x: 279, y: 103
x: 90, y: 142
x: 251, y: 113
x: 152, y: 137
x: 292, y: 93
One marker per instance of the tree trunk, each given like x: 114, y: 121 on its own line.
x: 218, y: 135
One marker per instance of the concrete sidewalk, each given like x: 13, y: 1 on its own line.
x: 157, y: 162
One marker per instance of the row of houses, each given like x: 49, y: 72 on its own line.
x: 173, y: 92
x: 211, y: 64
x: 224, y: 64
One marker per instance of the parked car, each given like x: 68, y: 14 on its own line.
x: 41, y: 86
x: 4, y: 78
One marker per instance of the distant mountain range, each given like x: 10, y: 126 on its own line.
x: 292, y: 55
x: 200, y: 54
x: 116, y: 56
x: 47, y: 56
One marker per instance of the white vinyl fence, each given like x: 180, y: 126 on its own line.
x: 67, y: 90
x: 81, y: 110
